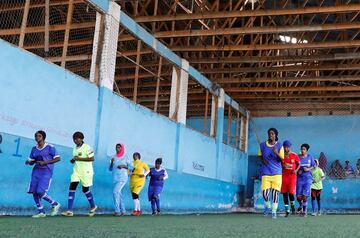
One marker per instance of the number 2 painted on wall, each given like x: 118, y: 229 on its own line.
x: 17, y: 141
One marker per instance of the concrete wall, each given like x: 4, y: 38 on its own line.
x: 336, y: 136
x: 39, y: 95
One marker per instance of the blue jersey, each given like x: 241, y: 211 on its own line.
x: 155, y: 176
x: 47, y: 153
x: 305, y: 162
x: 274, y: 166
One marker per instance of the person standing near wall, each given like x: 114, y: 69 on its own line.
x: 157, y: 176
x: 291, y: 165
x: 43, y: 156
x: 316, y: 187
x: 83, y: 157
x: 119, y: 165
x: 137, y: 181
x: 304, y: 179
x: 271, y: 154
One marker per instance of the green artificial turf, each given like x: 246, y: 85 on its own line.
x: 209, y: 225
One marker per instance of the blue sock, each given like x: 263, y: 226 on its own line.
x: 319, y: 205
x: 71, y: 200
x: 305, y: 206
x: 153, y: 205
x: 90, y: 199
x: 313, y: 205
x: 37, y: 200
x: 157, y: 200
x: 49, y: 200
x: 301, y: 204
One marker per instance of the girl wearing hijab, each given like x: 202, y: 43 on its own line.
x: 119, y: 165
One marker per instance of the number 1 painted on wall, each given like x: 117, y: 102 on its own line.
x: 17, y: 141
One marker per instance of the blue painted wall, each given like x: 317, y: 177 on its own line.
x: 39, y: 95
x: 336, y: 136
x: 35, y: 95
x: 197, y: 123
x: 336, y: 195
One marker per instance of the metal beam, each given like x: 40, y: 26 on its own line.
x: 290, y: 79
x: 283, y: 58
x: 40, y: 29
x: 315, y: 45
x: 251, y: 13
x: 165, y: 52
x: 294, y: 89
x: 284, y: 68
x: 258, y: 30
x: 67, y: 32
x: 13, y: 7
x: 24, y: 23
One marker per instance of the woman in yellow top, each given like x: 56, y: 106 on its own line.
x: 137, y: 181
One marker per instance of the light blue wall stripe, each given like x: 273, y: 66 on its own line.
x: 102, y: 5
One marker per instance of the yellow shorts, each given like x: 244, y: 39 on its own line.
x: 136, y: 185
x: 86, y: 181
x: 273, y: 181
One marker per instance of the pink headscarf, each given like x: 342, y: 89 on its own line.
x: 122, y: 151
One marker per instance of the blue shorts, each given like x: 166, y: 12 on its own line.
x: 154, y: 192
x: 303, y: 188
x: 40, y: 181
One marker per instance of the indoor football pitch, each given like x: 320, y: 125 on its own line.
x: 188, y: 226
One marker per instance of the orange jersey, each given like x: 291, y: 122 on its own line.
x: 289, y: 163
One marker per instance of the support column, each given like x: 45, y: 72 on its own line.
x: 107, y: 51
x: 67, y: 32
x: 97, y: 47
x: 213, y: 116
x: 179, y: 93
x: 109, y: 47
x: 219, y: 128
x: 24, y: 23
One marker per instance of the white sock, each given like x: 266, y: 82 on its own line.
x: 138, y: 202
x: 135, y: 205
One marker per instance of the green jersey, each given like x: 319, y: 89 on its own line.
x: 317, y: 174
x: 83, y: 168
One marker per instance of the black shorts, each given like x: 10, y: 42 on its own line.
x: 315, y: 192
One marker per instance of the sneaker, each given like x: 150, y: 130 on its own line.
x: 305, y: 214
x: 134, y: 213
x: 116, y: 214
x: 273, y: 215
x: 123, y: 214
x: 137, y: 214
x: 319, y: 213
x: 67, y: 214
x: 158, y: 213
x: 266, y: 211
x: 92, y: 211
x: 153, y: 214
x: 313, y: 214
x: 55, y: 210
x: 299, y: 211
x: 39, y: 215
x: 287, y: 214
